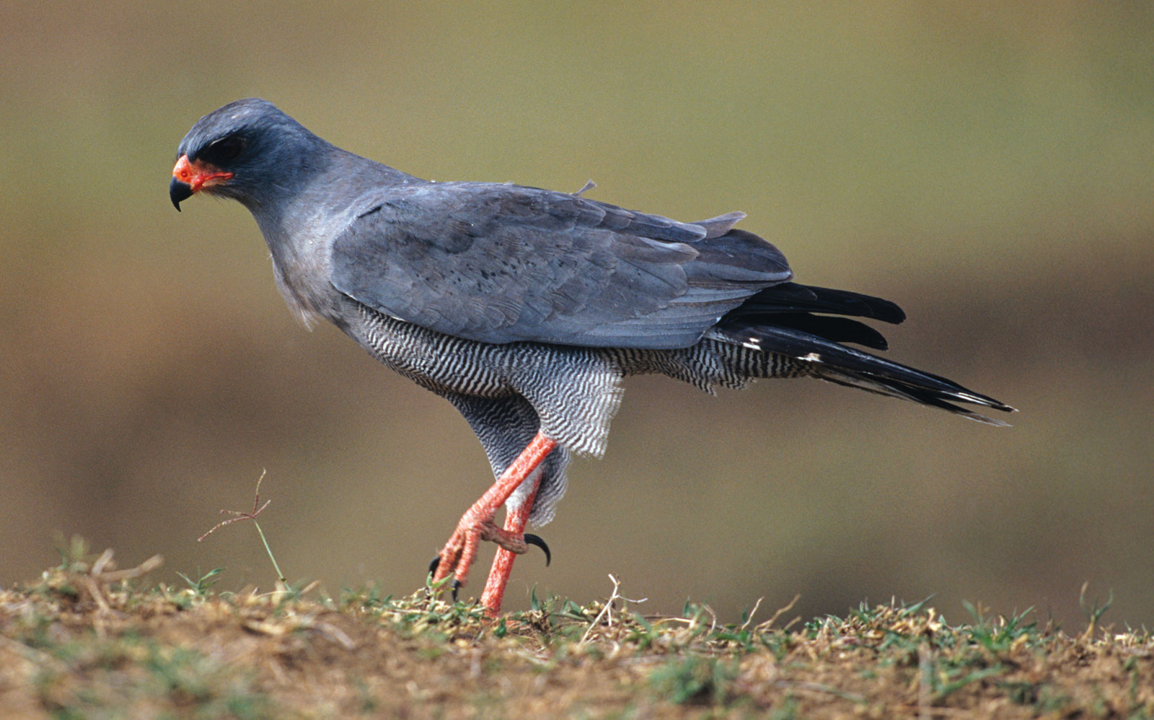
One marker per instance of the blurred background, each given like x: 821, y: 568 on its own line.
x: 989, y: 166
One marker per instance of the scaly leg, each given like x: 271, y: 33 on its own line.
x: 503, y: 563
x: 477, y: 523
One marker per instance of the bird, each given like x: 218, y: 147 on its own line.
x: 526, y: 308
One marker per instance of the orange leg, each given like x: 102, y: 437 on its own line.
x: 477, y: 523
x: 503, y: 563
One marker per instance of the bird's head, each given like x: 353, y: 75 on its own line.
x: 247, y: 150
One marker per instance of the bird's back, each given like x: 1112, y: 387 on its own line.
x: 505, y: 263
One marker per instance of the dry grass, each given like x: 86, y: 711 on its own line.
x: 88, y: 640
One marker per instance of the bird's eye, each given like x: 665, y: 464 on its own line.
x: 227, y: 149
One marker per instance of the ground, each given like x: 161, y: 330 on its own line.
x: 88, y: 640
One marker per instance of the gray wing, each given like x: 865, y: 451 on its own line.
x: 503, y: 263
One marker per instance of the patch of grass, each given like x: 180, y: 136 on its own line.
x: 1092, y: 608
x: 86, y: 642
x: 696, y: 680
x: 203, y: 583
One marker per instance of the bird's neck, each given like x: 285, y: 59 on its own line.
x: 301, y: 224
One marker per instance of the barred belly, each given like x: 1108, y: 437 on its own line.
x: 575, y: 390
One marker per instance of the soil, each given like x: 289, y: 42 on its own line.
x: 91, y: 641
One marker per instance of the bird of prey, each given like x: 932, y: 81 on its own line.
x: 525, y: 308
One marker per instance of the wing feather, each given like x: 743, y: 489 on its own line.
x: 504, y: 263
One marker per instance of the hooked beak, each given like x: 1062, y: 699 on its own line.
x: 179, y: 191
x: 192, y: 177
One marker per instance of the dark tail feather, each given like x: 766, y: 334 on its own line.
x: 794, y: 298
x: 828, y: 360
x: 834, y: 329
x: 892, y: 388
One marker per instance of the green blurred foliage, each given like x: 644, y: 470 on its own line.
x: 990, y: 166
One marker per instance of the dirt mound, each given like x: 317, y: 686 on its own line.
x: 90, y: 640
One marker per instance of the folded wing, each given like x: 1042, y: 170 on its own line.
x: 504, y: 263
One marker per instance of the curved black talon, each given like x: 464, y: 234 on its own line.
x: 531, y: 539
x: 433, y: 571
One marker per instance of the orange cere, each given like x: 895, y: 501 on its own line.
x: 198, y: 175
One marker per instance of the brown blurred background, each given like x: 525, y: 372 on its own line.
x: 990, y: 167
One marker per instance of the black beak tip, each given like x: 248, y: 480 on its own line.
x: 179, y: 191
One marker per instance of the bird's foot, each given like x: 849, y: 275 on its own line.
x: 477, y: 523
x: 456, y: 558
x: 514, y: 542
x: 459, y: 552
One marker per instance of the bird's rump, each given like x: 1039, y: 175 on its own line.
x: 505, y: 263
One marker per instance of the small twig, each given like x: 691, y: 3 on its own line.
x: 104, y: 561
x: 781, y: 611
x: 115, y: 576
x: 604, y: 610
x: 712, y: 618
x: 98, y: 596
x: 607, y: 610
x: 752, y: 612
x: 97, y: 577
x: 257, y: 509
